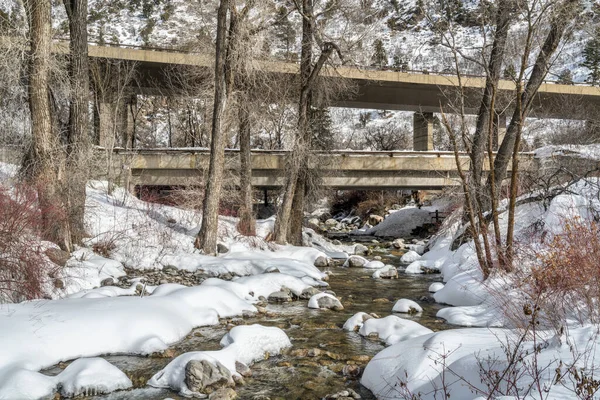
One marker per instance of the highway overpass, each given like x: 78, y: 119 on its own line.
x: 376, y: 89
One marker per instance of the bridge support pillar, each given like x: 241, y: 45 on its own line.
x: 114, y: 125
x: 423, y: 131
x: 499, y: 130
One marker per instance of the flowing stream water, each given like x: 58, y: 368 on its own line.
x: 321, y: 348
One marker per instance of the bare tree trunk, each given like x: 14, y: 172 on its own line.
x: 43, y: 163
x: 78, y: 135
x: 304, y: 105
x: 512, y: 141
x: 207, y: 237
x: 288, y: 226
x: 562, y: 18
x: 482, y: 131
x: 247, y: 225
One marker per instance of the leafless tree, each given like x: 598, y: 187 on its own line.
x: 552, y: 18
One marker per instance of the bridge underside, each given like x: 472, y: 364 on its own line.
x: 265, y: 179
x: 336, y: 170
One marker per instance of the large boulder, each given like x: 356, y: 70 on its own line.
x: 361, y: 250
x: 321, y: 262
x: 398, y: 243
x: 282, y: 296
x: 355, y: 262
x: 326, y: 301
x: 202, y: 376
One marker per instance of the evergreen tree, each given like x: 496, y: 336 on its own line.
x: 565, y: 77
x: 379, y: 58
x: 321, y: 128
x: 591, y: 54
x: 284, y: 32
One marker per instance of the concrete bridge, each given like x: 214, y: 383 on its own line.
x: 337, y: 169
x: 375, y: 89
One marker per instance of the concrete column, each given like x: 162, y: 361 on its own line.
x: 127, y: 122
x: 423, y: 131
x: 104, y: 121
x: 499, y: 130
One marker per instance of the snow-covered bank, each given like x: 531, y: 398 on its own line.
x: 492, y: 362
x: 465, y: 363
x: 39, y: 334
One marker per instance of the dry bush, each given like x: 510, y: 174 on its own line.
x: 23, y: 264
x: 567, y: 276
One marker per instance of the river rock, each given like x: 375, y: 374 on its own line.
x: 361, y: 249
x: 346, y: 394
x: 221, y: 248
x: 331, y: 223
x: 356, y: 321
x: 410, y: 257
x: 280, y: 297
x: 375, y: 219
x: 107, y: 282
x: 321, y: 262
x: 351, y: 371
x: 170, y: 270
x: 325, y: 300
x: 309, y: 292
x: 205, y: 377
x: 387, y: 272
x: 243, y: 369
x: 398, y: 243
x: 223, y: 394
x: 356, y: 262
x: 336, y: 242
x: 313, y: 223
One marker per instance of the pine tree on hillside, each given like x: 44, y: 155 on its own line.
x: 379, y: 58
x: 591, y: 54
x: 285, y: 33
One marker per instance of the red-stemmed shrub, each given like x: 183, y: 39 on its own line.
x: 23, y: 265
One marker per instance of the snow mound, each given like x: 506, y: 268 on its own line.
x: 375, y: 264
x: 409, y: 257
x: 84, y: 376
x: 246, y: 344
x: 435, y: 287
x: 356, y: 321
x: 265, y: 284
x: 393, y: 329
x: 407, y: 306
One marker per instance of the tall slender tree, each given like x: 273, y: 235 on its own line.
x: 78, y: 143
x: 207, y: 237
x: 288, y: 226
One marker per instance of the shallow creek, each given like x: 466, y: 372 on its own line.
x: 321, y: 348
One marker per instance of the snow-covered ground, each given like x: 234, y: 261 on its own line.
x: 464, y: 363
x: 88, y: 317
